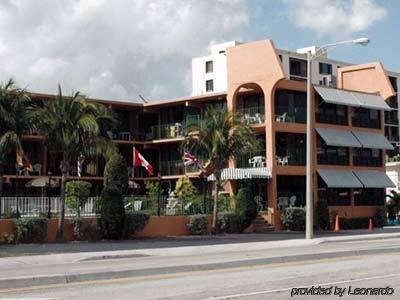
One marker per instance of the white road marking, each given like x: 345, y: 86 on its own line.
x: 306, y: 286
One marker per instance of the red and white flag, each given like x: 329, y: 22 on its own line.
x: 189, y: 159
x: 140, y: 161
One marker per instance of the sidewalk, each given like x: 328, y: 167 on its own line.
x: 183, y: 241
x: 198, y: 254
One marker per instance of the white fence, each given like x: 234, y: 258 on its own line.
x: 39, y: 206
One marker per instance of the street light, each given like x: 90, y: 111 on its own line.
x: 309, y: 188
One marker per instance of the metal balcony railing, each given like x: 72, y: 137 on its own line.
x: 253, y: 115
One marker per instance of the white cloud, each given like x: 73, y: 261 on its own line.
x: 112, y: 49
x: 334, y: 18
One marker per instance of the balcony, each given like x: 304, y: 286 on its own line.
x: 290, y: 149
x: 298, y: 116
x: 174, y: 167
x: 168, y: 131
x: 254, y: 160
x: 253, y: 115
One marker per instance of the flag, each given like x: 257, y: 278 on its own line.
x: 27, y: 165
x: 18, y: 158
x: 140, y: 161
x: 189, y: 159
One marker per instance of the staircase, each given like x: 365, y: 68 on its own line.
x: 261, y: 225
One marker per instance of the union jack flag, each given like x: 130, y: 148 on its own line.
x: 190, y: 159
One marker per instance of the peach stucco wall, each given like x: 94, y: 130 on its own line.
x: 165, y: 226
x: 370, y: 78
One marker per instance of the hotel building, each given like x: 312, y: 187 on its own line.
x: 354, y: 121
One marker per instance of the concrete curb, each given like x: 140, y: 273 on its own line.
x: 34, y: 281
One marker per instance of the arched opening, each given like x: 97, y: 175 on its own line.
x: 249, y: 102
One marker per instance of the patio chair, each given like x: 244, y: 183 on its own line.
x: 283, y: 202
x: 258, y: 199
x: 137, y: 205
x: 292, y: 201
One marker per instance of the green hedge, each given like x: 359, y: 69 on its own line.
x: 112, y: 220
x: 229, y: 222
x: 294, y: 218
x: 246, y: 208
x: 30, y: 230
x: 136, y: 221
x: 198, y: 224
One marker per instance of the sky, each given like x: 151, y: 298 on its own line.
x: 122, y: 48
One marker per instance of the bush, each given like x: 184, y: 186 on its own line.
x: 29, y: 230
x: 75, y: 189
x: 198, y: 224
x: 246, y: 208
x: 92, y: 230
x: 354, y: 223
x: 112, y: 220
x: 78, y: 228
x: 294, y: 218
x: 323, y: 214
x: 135, y: 222
x: 116, y: 173
x: 229, y: 222
x: 380, y: 218
x: 7, y: 238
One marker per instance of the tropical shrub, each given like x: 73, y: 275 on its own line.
x: 380, y: 218
x: 135, y: 222
x: 323, y: 214
x: 7, y: 238
x: 229, y: 222
x: 185, y: 190
x: 294, y: 218
x: 92, y: 230
x: 115, y: 172
x: 29, y: 230
x: 198, y: 224
x: 78, y: 228
x: 153, y: 189
x: 112, y: 220
x: 246, y: 208
x: 77, y: 189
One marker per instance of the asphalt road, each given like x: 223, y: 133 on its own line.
x: 377, y: 269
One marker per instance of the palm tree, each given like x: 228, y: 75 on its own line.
x: 15, y: 119
x: 72, y: 126
x: 393, y: 204
x: 220, y: 137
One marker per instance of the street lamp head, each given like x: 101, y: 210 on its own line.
x: 361, y: 41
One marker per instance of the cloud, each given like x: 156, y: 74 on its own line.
x: 112, y: 49
x: 334, y: 19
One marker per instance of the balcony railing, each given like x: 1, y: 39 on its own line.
x: 299, y: 116
x: 366, y: 123
x: 167, y: 131
x: 332, y: 159
x: 254, y: 160
x: 253, y: 115
x: 291, y: 157
x: 367, y: 162
x: 331, y: 118
x: 174, y: 167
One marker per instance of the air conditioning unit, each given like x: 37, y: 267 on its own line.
x: 329, y: 80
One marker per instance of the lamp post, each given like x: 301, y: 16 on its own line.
x: 309, y: 186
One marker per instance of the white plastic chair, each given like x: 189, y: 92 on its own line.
x: 292, y: 200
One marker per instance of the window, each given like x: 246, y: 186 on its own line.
x: 209, y: 66
x: 367, y: 118
x: 290, y: 106
x: 209, y: 85
x: 367, y: 157
x: 371, y: 197
x: 331, y: 155
x: 330, y: 113
x: 393, y: 81
x: 325, y: 68
x: 333, y: 196
x: 298, y: 69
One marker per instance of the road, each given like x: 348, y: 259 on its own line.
x: 336, y: 265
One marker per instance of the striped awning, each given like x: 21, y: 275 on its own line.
x: 242, y: 173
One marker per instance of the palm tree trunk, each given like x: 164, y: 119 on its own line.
x: 61, y: 217
x: 217, y: 175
